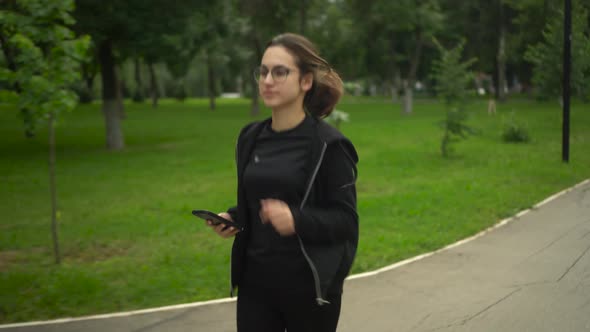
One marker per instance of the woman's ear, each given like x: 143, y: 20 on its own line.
x: 306, y: 82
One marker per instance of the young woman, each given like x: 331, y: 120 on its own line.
x: 296, y: 198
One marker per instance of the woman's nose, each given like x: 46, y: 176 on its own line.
x: 268, y: 78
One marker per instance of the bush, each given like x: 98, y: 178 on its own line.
x: 515, y: 132
x: 85, y: 95
x: 353, y: 88
x: 337, y: 117
x: 176, y: 89
x: 138, y: 96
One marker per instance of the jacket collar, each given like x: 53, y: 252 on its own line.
x: 323, y: 133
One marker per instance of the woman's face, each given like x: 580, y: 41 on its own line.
x: 279, y: 81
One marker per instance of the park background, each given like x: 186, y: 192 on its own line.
x: 164, y: 88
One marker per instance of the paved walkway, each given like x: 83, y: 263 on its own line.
x: 531, y: 274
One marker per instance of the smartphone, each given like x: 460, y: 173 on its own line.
x: 215, y: 219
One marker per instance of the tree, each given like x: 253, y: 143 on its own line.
x: 259, y: 21
x: 501, y: 57
x: 107, y: 30
x: 425, y: 21
x: 43, y: 58
x: 185, y: 46
x: 90, y: 69
x: 380, y: 39
x: 205, y: 33
x: 159, y: 39
x: 528, y: 22
x: 452, y: 76
x: 128, y: 29
x: 333, y: 30
x: 397, y: 43
x: 138, y: 95
x: 488, y: 27
x: 547, y: 56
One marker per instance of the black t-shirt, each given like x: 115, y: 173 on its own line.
x: 278, y: 168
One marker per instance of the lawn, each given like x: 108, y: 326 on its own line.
x: 128, y: 238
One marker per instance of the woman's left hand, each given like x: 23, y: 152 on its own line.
x: 278, y: 214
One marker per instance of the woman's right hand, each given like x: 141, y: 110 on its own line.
x: 221, y: 229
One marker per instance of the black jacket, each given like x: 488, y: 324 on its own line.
x: 326, y: 221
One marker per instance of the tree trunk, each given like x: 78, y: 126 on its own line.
x: 396, y: 81
x: 240, y: 85
x: 501, y: 56
x: 396, y: 86
x: 119, y: 90
x: 109, y: 97
x: 88, y: 77
x: 408, y: 99
x: 211, y: 82
x: 89, y: 83
x: 153, y: 85
x: 415, y: 61
x: 138, y: 95
x: 255, y: 110
x: 52, y: 189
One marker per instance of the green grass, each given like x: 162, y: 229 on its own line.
x: 129, y: 240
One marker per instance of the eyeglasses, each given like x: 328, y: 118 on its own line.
x: 279, y: 73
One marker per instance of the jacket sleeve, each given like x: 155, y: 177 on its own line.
x: 233, y: 211
x: 331, y: 217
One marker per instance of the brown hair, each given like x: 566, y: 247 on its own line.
x: 327, y: 84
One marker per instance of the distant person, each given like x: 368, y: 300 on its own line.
x: 491, y: 95
x: 491, y: 105
x: 296, y: 198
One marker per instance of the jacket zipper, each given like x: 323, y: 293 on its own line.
x: 314, y: 271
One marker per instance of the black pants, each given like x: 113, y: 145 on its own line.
x: 264, y: 310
